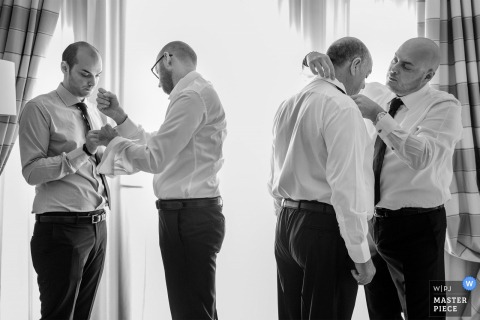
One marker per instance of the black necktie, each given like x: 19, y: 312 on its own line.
x: 379, y: 149
x: 83, y: 108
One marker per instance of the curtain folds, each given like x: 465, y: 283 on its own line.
x: 102, y: 23
x: 319, y: 21
x: 455, y: 26
x: 26, y: 28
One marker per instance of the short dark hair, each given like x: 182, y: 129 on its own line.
x: 181, y: 50
x: 69, y: 55
x: 346, y: 49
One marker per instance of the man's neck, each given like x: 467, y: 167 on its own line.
x: 177, y: 76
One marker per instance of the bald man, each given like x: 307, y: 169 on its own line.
x: 184, y: 155
x: 413, y: 168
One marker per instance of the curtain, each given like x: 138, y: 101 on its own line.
x: 101, y: 23
x: 26, y: 28
x: 455, y: 26
x: 319, y: 22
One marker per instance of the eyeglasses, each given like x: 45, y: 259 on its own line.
x: 154, y: 69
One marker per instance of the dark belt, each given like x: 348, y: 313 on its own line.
x: 91, y: 217
x: 387, y: 213
x: 308, y: 205
x: 177, y: 204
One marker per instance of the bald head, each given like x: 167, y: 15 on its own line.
x: 181, y: 51
x: 413, y: 66
x: 424, y: 51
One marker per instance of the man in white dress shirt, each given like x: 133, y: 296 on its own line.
x: 320, y: 180
x: 185, y: 155
x: 410, y: 221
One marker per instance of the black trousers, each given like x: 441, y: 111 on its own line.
x: 381, y: 294
x: 190, y: 239
x: 314, y: 280
x: 413, y: 248
x: 69, y: 260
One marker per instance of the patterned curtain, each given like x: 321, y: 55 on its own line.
x: 455, y: 26
x: 26, y: 27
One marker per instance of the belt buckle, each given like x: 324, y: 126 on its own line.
x: 98, y: 218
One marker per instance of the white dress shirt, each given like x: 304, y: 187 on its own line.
x: 417, y: 168
x: 51, y: 135
x: 321, y: 151
x: 185, y: 154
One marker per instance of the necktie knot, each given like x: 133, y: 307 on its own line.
x: 394, y: 106
x: 82, y: 106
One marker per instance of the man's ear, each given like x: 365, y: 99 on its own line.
x: 355, y: 66
x: 430, y: 74
x: 167, y: 58
x: 64, y: 67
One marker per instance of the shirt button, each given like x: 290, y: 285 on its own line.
x: 379, y: 131
x: 393, y: 148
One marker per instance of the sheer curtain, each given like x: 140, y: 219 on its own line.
x: 101, y: 23
x: 320, y: 22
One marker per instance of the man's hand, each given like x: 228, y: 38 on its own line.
x: 91, y: 141
x: 106, y: 134
x: 364, y: 273
x: 368, y: 108
x: 321, y: 64
x: 103, y: 136
x: 107, y: 103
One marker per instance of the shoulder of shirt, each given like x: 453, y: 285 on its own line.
x: 198, y: 85
x: 39, y: 102
x: 440, y: 96
x: 42, y: 97
x: 332, y: 96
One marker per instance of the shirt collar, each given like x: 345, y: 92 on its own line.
x: 411, y: 99
x: 182, y: 84
x: 336, y: 83
x: 67, y: 97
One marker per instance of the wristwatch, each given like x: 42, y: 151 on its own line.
x: 85, y: 149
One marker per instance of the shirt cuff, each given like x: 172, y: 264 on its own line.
x: 115, y: 161
x: 386, y: 125
x: 107, y: 165
x: 77, y: 158
x: 359, y: 253
x: 127, y: 129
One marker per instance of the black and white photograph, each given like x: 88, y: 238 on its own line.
x: 239, y: 159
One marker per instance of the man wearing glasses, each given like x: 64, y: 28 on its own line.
x: 184, y: 155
